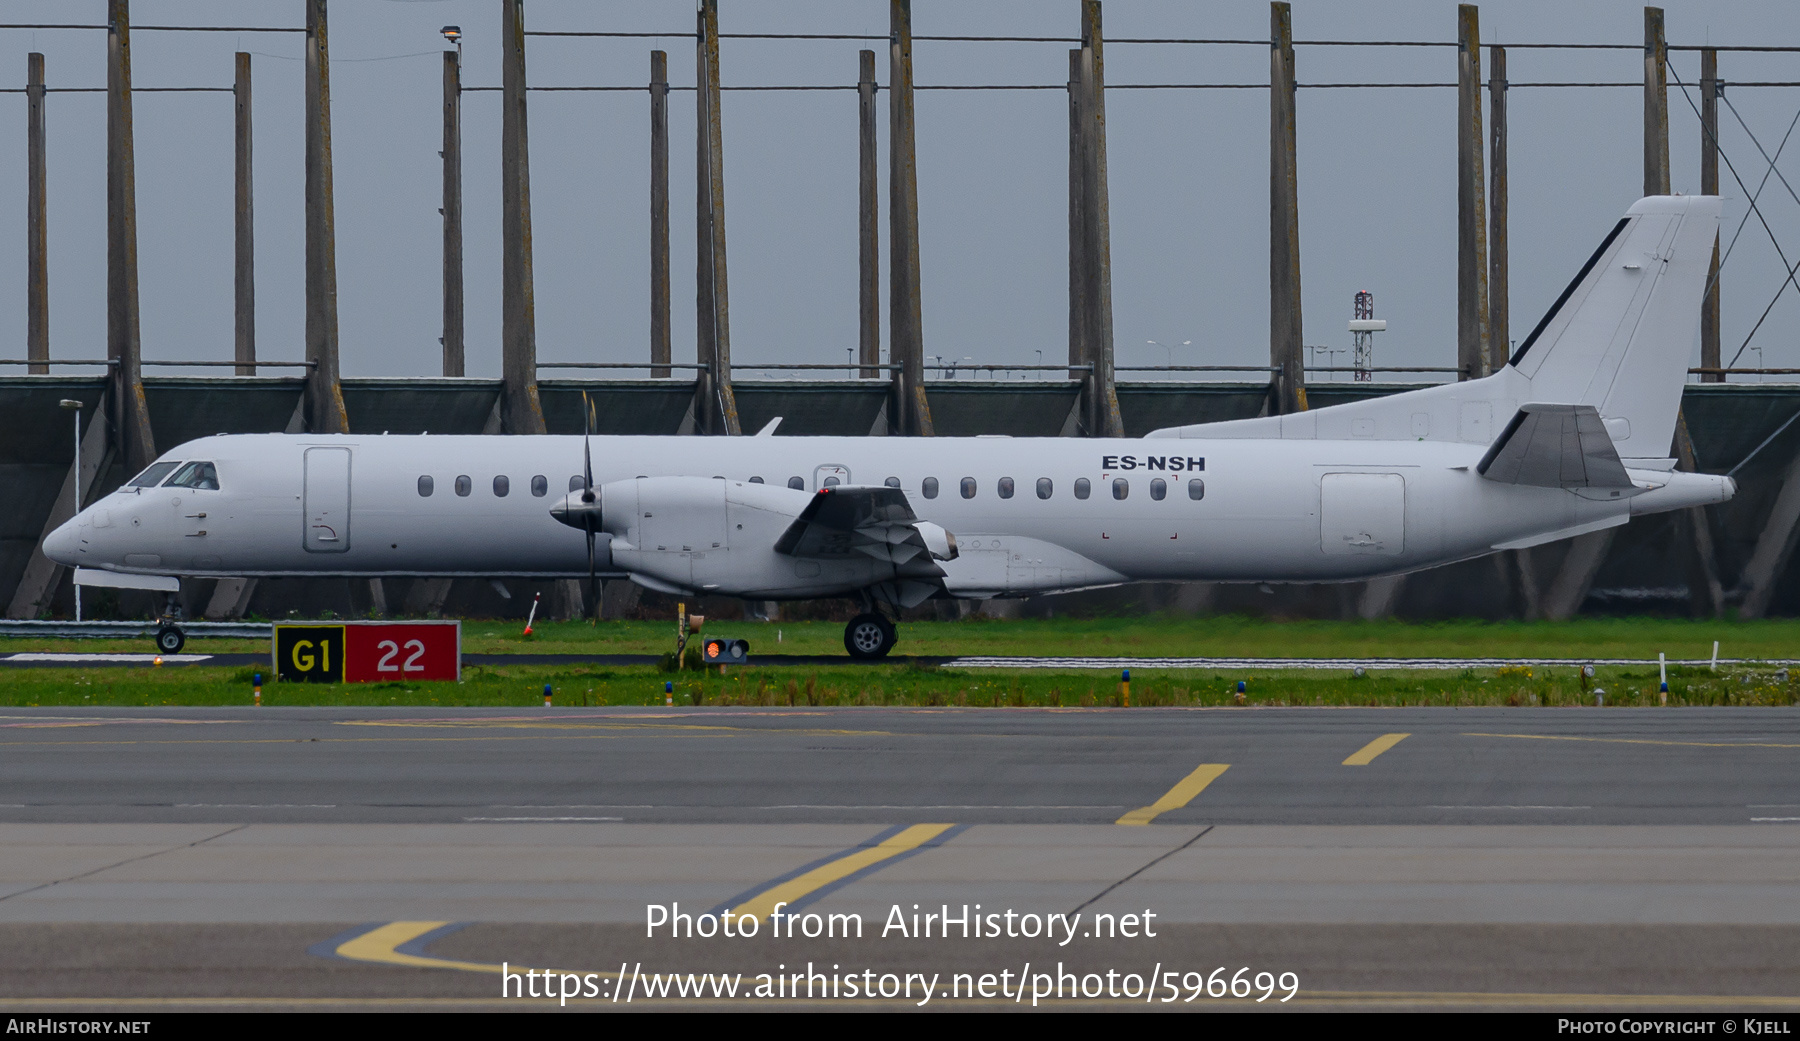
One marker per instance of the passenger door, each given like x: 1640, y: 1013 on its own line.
x: 327, y: 501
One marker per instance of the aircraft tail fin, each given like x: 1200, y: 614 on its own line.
x: 1618, y: 339
x: 1620, y: 336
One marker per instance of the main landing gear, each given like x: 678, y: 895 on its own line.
x: 869, y: 636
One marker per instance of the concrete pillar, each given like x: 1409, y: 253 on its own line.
x: 1774, y: 547
x: 906, y: 337
x: 1709, y: 185
x: 1472, y: 359
x: 37, y: 240
x: 659, y: 215
x: 868, y: 229
x: 1103, y: 398
x: 1576, y: 575
x: 455, y: 360
x: 131, y: 414
x: 717, y: 404
x: 1656, y: 104
x: 520, y: 411
x: 324, y: 395
x: 1287, y: 352
x: 244, y: 211
x: 1499, y: 290
x: 42, y: 576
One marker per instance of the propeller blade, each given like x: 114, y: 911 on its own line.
x: 587, y: 461
x: 593, y: 579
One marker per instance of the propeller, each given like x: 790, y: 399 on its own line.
x: 582, y: 509
x: 588, y: 497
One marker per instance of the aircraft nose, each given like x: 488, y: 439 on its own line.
x: 61, y: 544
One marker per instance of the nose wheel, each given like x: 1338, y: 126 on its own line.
x: 169, y: 639
x: 869, y: 636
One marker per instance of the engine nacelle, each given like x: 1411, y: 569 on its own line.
x: 710, y: 535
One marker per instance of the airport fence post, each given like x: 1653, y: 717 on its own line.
x: 1656, y: 104
x: 1077, y: 258
x: 659, y: 215
x: 868, y: 214
x: 124, y: 345
x: 521, y: 412
x: 1709, y: 185
x: 713, y: 323
x: 906, y: 342
x: 37, y: 240
x: 1472, y: 357
x: 244, y: 226
x: 325, y: 396
x: 1097, y: 229
x: 1286, y: 350
x: 455, y: 360
x: 1499, y: 291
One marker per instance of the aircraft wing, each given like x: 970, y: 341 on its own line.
x: 1555, y: 446
x: 872, y: 520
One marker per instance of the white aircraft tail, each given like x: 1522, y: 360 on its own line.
x: 1617, y: 339
x: 1620, y: 336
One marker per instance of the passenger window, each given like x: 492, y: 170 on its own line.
x: 968, y: 487
x: 577, y: 483
x: 1082, y: 488
x: 1121, y: 488
x: 501, y: 487
x: 1006, y: 487
x: 929, y: 487
x: 796, y: 484
x: 756, y: 480
x: 464, y: 485
x: 153, y: 475
x: 892, y: 482
x: 1196, y: 489
x: 832, y: 482
x: 200, y: 476
x: 426, y: 486
x: 1158, y: 488
x: 1045, y: 488
x: 540, y: 486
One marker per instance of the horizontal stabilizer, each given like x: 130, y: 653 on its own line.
x: 1555, y: 446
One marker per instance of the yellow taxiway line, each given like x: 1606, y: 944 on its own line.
x: 763, y: 904
x: 1366, y: 755
x: 1177, y: 797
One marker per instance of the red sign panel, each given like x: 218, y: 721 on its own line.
x: 376, y: 651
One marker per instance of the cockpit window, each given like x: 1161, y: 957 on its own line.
x: 195, y: 475
x: 153, y: 476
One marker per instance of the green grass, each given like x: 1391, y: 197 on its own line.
x: 902, y: 684
x: 521, y: 687
x: 1148, y: 636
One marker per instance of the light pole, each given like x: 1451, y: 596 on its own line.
x: 1169, y: 351
x: 1038, y: 373
x: 74, y: 407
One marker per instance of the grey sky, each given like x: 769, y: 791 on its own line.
x: 1188, y: 174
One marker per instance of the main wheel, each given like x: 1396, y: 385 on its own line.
x: 869, y: 636
x: 169, y: 639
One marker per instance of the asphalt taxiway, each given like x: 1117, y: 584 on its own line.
x: 1510, y: 858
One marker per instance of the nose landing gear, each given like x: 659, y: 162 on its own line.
x: 869, y: 636
x: 169, y: 637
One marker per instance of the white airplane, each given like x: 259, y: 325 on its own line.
x: 1573, y: 435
